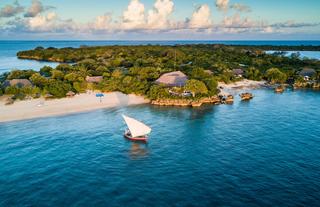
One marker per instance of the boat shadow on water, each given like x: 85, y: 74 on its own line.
x: 138, y: 150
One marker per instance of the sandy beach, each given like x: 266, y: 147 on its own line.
x: 37, y: 108
x: 234, y: 88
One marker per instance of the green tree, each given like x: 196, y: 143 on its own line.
x: 20, y: 74
x: 12, y: 90
x: 38, y: 80
x: 73, y: 77
x: 253, y: 74
x: 57, y: 74
x: 80, y: 87
x: 157, y: 92
x: 199, y: 73
x: 196, y: 87
x: 212, y: 85
x: 58, y: 88
x: 274, y: 75
x: 46, y: 71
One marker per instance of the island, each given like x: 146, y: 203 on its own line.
x: 178, y: 75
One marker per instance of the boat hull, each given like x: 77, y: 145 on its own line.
x: 136, y: 139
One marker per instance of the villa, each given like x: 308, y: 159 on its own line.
x: 94, y: 79
x: 173, y: 79
x: 17, y: 82
x: 307, y: 73
x: 238, y: 72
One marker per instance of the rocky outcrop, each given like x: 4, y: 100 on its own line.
x: 310, y: 84
x: 246, y: 96
x: 187, y: 102
x: 9, y: 101
x: 279, y: 89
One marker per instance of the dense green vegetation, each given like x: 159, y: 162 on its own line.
x: 133, y: 69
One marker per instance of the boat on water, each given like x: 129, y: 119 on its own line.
x: 137, y: 131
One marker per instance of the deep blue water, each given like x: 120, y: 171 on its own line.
x: 259, y: 153
x: 9, y: 49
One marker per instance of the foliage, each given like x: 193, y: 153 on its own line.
x: 274, y: 75
x: 199, y: 73
x: 57, y: 74
x: 20, y: 74
x: 196, y: 87
x: 157, y: 92
x: 212, y: 85
x: 253, y: 74
x: 38, y: 80
x: 46, y: 71
x: 58, y: 88
x: 133, y: 69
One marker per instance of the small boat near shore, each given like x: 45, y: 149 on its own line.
x: 137, y: 131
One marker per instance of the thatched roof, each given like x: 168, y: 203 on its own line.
x: 176, y: 78
x: 208, y: 72
x: 17, y: 82
x: 94, y: 79
x: 307, y: 72
x: 237, y: 71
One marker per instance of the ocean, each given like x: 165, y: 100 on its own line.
x: 9, y: 49
x: 259, y: 153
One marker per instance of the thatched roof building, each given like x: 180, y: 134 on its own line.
x: 94, y: 79
x: 309, y: 72
x: 17, y: 82
x: 172, y: 79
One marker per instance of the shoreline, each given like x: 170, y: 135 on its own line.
x: 240, y: 86
x: 39, y: 108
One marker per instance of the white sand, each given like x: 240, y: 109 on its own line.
x: 36, y: 108
x: 239, y: 86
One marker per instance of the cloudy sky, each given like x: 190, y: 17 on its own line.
x: 160, y: 19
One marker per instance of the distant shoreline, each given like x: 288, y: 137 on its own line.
x: 39, y: 108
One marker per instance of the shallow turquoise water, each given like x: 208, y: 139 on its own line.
x: 259, y: 153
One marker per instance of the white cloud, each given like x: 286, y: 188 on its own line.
x: 43, y: 22
x: 201, y: 18
x: 268, y: 29
x: 11, y: 10
x: 158, y: 17
x: 222, y: 4
x: 136, y: 20
x: 240, y: 7
x: 134, y: 17
x: 102, y: 22
x: 36, y: 8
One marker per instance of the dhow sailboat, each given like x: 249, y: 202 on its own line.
x: 137, y: 131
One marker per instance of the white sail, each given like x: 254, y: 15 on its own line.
x: 136, y: 128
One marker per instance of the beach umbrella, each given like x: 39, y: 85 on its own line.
x: 100, y: 95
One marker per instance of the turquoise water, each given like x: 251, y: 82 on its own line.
x: 9, y: 49
x: 303, y: 54
x: 259, y: 153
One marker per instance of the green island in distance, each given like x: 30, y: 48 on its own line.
x: 136, y: 69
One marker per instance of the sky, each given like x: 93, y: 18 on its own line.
x: 160, y: 20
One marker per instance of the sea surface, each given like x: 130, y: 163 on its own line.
x: 302, y: 54
x: 9, y: 49
x: 265, y: 152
